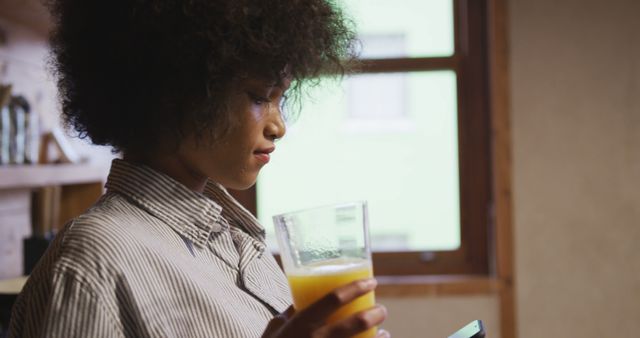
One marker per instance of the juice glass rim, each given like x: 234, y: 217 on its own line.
x: 325, y: 206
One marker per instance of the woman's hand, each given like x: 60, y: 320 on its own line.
x: 311, y: 322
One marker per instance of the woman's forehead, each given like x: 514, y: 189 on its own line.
x: 263, y: 82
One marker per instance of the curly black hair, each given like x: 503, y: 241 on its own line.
x: 132, y: 73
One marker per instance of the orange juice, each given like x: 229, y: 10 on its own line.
x: 311, y: 283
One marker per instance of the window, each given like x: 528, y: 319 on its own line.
x: 409, y: 133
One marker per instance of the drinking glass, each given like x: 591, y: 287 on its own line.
x: 324, y: 248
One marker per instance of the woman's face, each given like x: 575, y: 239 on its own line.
x: 236, y: 159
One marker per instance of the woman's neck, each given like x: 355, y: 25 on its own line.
x: 174, y: 167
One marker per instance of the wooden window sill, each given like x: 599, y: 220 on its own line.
x: 33, y: 176
x: 437, y: 285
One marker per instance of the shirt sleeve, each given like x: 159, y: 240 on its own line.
x: 64, y: 308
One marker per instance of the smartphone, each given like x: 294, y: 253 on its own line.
x: 475, y: 329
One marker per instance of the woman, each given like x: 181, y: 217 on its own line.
x: 190, y: 93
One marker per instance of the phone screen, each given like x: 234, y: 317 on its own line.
x: 471, y: 330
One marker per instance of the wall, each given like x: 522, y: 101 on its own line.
x: 575, y: 69
x: 575, y: 92
x: 438, y: 317
x: 23, y: 63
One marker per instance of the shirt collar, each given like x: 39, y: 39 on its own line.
x: 192, y: 215
x: 235, y: 213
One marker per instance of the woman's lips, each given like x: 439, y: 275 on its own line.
x: 263, y: 154
x: 262, y: 157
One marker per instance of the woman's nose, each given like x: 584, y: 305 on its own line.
x: 275, y: 128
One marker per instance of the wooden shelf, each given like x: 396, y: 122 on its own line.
x: 12, y: 286
x: 33, y: 176
x: 80, y: 186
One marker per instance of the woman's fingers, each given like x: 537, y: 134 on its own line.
x: 358, y: 323
x: 311, y: 322
x: 320, y: 310
x: 383, y: 334
x: 288, y: 313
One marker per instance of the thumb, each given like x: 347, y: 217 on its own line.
x: 277, y: 322
x: 288, y: 313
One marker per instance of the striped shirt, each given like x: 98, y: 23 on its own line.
x: 154, y: 259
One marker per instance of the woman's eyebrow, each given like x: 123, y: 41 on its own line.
x: 261, y: 83
x: 258, y: 84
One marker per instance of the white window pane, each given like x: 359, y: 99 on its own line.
x: 405, y: 165
x: 403, y: 28
x: 360, y: 89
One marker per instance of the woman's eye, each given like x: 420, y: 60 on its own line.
x: 257, y: 99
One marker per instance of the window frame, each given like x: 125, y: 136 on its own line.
x: 470, y: 63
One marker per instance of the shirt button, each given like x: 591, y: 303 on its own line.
x: 216, y: 227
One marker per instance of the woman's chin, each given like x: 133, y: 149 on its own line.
x: 240, y: 184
